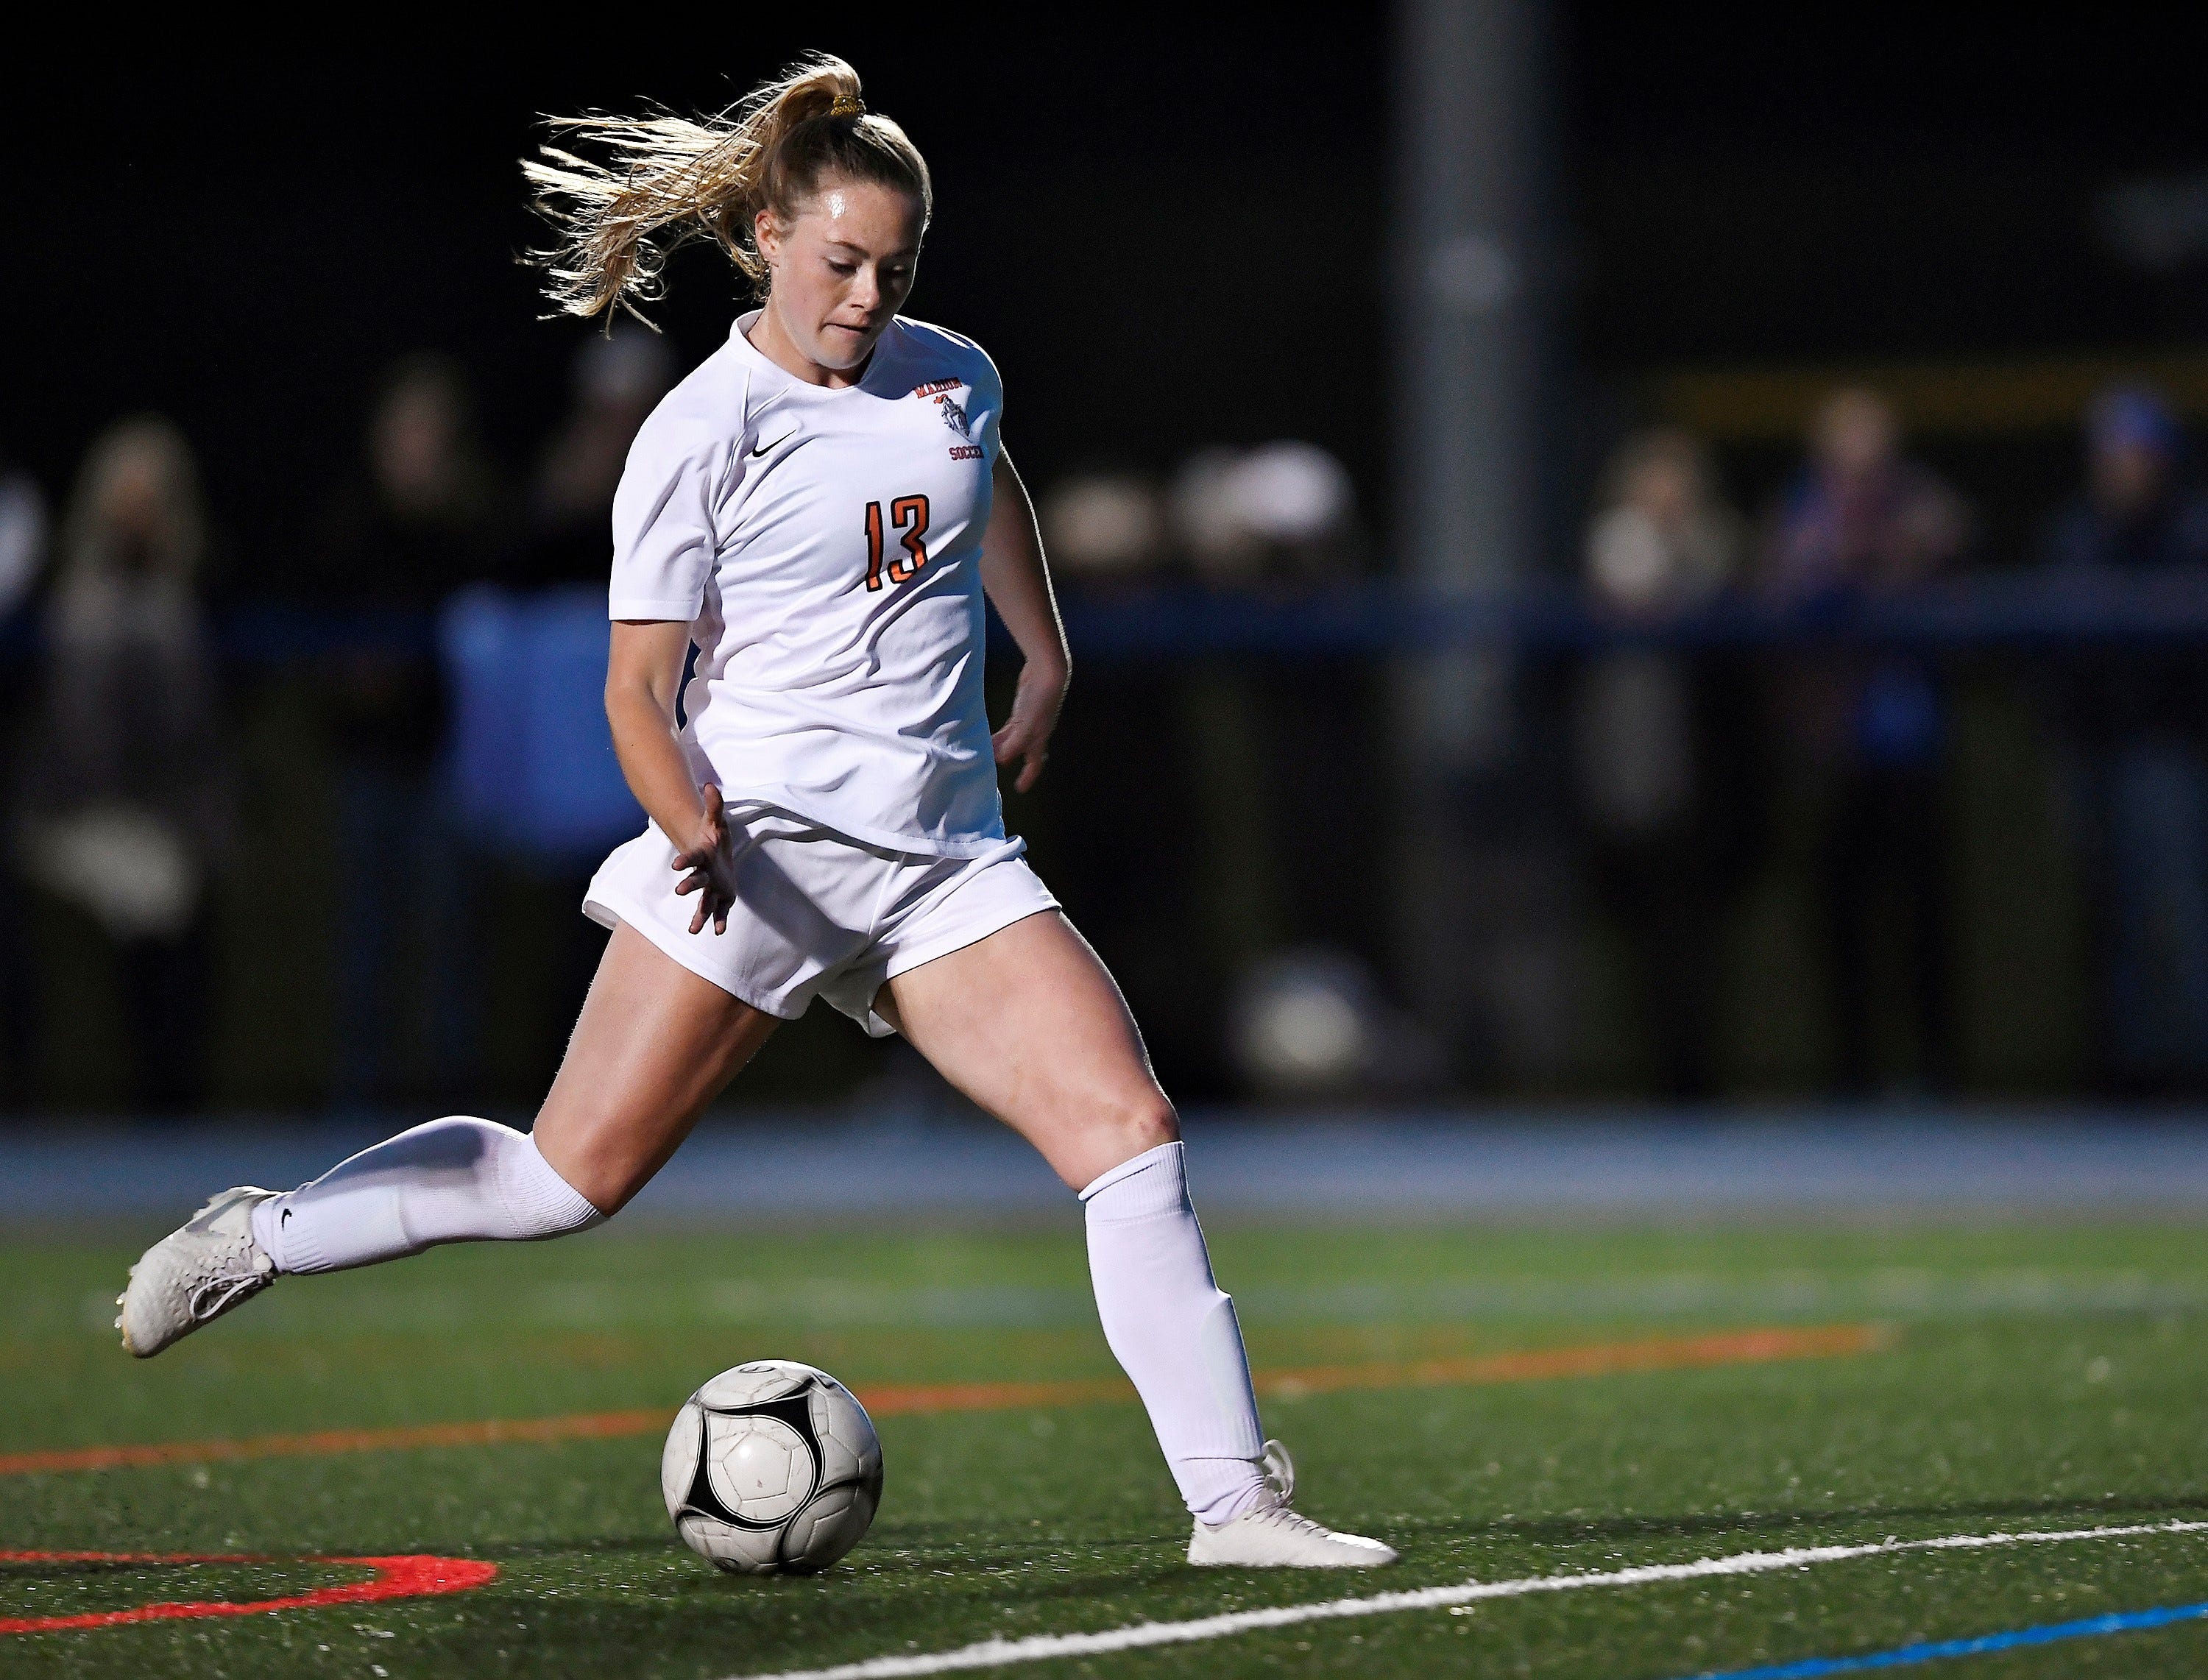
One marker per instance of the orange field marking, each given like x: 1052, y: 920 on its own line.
x: 1596, y: 1359
x: 1724, y: 1347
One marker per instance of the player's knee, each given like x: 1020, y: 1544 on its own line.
x: 1140, y: 1123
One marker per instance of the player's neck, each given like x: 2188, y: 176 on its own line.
x: 768, y: 336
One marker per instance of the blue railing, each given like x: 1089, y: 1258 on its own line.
x: 2030, y: 612
x: 532, y: 769
x: 2015, y: 610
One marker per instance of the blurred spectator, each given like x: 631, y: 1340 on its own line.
x: 22, y: 537
x: 1647, y: 754
x: 2138, y: 724
x: 1311, y: 1024
x: 1860, y: 521
x: 1103, y: 528
x: 125, y: 813
x: 23, y: 554
x: 421, y: 518
x: 619, y: 378
x: 1281, y: 753
x: 1282, y: 511
x: 566, y: 541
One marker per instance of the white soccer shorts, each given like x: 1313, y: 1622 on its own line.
x: 817, y: 914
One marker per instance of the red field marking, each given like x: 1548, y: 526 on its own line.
x: 414, y: 1576
x: 915, y: 1399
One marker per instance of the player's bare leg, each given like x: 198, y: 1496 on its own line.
x: 653, y: 1046
x: 1028, y: 1023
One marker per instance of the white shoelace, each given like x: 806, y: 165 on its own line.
x: 1280, y: 1473
x: 207, y: 1302
x: 1282, y: 1516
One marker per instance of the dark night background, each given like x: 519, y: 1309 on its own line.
x: 1168, y: 226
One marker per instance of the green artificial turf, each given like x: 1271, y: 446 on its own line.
x: 2035, y: 1378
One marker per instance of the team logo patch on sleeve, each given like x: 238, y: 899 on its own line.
x: 954, y: 415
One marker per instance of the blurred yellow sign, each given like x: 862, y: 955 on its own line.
x: 1997, y: 395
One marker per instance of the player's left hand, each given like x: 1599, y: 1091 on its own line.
x: 1025, y: 738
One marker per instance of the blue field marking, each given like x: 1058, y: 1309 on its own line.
x: 2127, y: 1622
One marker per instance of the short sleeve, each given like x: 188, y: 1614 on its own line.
x: 990, y: 389
x: 664, y: 537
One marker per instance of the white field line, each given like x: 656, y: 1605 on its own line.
x: 1045, y: 1647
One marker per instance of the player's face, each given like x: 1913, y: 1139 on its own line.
x: 842, y: 267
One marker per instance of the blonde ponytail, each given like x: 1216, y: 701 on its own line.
x: 663, y: 182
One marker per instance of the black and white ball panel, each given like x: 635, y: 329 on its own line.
x: 772, y: 1466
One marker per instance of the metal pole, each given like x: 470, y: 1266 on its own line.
x: 1478, y: 910
x: 1469, y: 266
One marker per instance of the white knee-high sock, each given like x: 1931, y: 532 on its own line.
x: 1174, y: 1332
x: 454, y: 1180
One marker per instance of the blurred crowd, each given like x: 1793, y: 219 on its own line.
x: 122, y: 728
x: 1210, y: 864
x: 1688, y: 775
x: 1682, y: 761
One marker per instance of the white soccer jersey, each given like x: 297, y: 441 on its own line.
x: 824, y: 548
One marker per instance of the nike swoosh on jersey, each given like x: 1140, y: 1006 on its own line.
x: 758, y: 449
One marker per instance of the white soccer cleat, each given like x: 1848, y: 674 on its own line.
x: 195, y: 1274
x: 1274, y: 1537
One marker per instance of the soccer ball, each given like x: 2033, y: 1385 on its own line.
x: 772, y: 1468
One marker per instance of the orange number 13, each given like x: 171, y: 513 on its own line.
x: 906, y: 510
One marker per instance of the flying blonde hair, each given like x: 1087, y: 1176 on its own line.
x: 663, y: 182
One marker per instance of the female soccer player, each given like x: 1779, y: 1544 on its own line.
x: 819, y: 510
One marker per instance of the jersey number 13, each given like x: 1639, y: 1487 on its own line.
x: 909, y: 514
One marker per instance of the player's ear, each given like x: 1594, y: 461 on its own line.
x: 767, y: 233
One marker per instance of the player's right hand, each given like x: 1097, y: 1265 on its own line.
x: 710, y: 873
